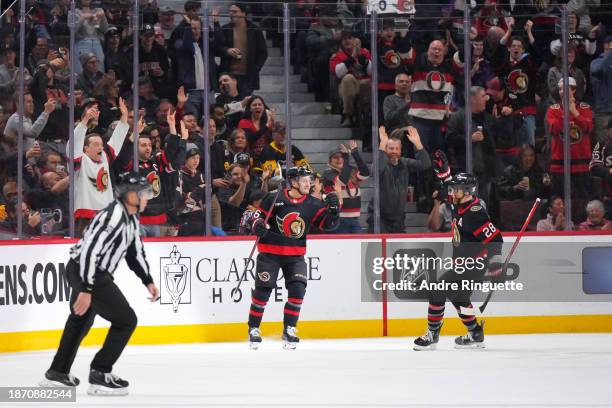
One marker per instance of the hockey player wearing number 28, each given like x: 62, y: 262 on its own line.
x: 112, y: 235
x: 474, y: 236
x: 282, y: 245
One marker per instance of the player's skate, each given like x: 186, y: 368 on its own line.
x: 106, y: 384
x: 474, y: 339
x: 254, y: 338
x: 56, y: 379
x: 428, y: 341
x: 290, y: 338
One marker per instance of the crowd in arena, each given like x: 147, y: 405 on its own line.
x: 516, y: 95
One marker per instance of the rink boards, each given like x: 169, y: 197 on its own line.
x: 198, y: 305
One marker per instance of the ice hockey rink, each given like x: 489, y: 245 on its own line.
x: 551, y: 370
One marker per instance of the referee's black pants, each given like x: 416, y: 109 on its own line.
x: 106, y: 301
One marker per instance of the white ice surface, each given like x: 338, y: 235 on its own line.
x: 556, y: 370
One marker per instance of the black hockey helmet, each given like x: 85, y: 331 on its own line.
x: 463, y: 181
x: 133, y: 181
x: 294, y: 173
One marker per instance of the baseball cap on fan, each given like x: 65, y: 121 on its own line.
x: 147, y: 30
x: 570, y: 82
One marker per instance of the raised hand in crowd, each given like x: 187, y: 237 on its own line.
x: 383, y: 137
x: 171, y: 120
x: 124, y: 110
x: 184, y: 131
x: 413, y: 136
x: 49, y: 105
x: 181, y: 98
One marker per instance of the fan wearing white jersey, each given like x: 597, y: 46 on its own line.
x: 92, y: 161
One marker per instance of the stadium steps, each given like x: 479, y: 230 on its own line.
x: 314, y: 130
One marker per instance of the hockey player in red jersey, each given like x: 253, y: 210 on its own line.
x: 475, y: 237
x: 282, y: 245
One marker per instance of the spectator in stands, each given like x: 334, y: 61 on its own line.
x: 601, y: 167
x: 106, y: 93
x: 93, y: 160
x: 153, y: 61
x: 31, y: 219
x: 167, y: 160
x: 52, y: 194
x: 232, y: 101
x: 555, y: 74
x: 273, y: 154
x: 166, y: 21
x: 394, y: 173
x: 584, y: 47
x: 518, y: 70
x: 257, y: 122
x: 52, y: 161
x: 90, y: 27
x: 244, y: 50
x: 217, y: 172
x: 440, y: 217
x: 524, y: 180
x: 555, y: 219
x: 481, y: 71
x: 349, y: 178
x: 147, y: 98
x: 506, y: 138
x: 39, y: 52
x: 223, y: 130
x: 9, y: 74
x: 581, y: 127
x: 234, y: 198
x: 31, y: 129
x: 191, y: 210
x: 595, y: 218
x: 396, y: 106
x: 236, y: 144
x: 484, y: 128
x: 322, y: 40
x: 190, y: 62
x: 352, y: 66
x: 433, y: 80
x: 114, y: 55
x: 90, y: 74
x: 192, y: 12
x: 393, y: 48
x: 601, y: 83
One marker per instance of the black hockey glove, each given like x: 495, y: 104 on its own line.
x: 349, y: 62
x: 332, y: 203
x: 495, y: 269
x: 363, y: 60
x: 259, y: 228
x: 440, y: 165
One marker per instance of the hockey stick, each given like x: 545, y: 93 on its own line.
x: 479, y: 310
x: 246, y: 264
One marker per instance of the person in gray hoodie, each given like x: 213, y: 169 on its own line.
x: 394, y: 172
x: 601, y: 81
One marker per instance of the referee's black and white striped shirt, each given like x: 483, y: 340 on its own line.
x: 111, y: 235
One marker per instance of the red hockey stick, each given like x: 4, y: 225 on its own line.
x: 479, y: 310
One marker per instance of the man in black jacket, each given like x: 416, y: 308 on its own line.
x: 394, y: 173
x: 244, y: 50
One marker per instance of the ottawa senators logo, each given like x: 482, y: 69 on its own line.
x: 518, y: 81
x: 435, y: 81
x: 391, y: 59
x: 292, y: 225
x: 100, y: 183
x: 575, y: 133
x: 155, y: 183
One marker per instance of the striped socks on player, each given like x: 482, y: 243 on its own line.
x: 258, y: 305
x: 435, y: 314
x: 292, y: 311
x: 469, y: 321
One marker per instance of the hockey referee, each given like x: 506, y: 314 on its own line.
x: 112, y: 235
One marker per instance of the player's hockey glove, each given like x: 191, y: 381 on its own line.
x: 332, y: 203
x: 495, y: 268
x: 259, y: 228
x: 440, y: 165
